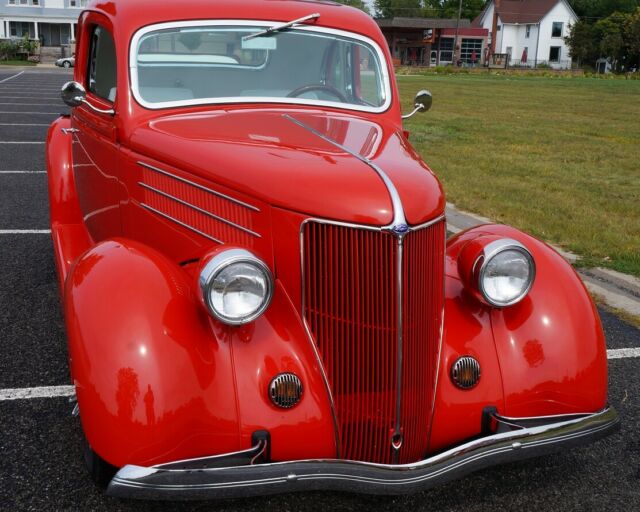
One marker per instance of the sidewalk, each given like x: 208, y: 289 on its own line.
x: 618, y: 291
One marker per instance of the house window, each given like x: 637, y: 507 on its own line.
x: 77, y: 3
x: 22, y: 29
x: 102, y: 65
x: 527, y: 31
x: 554, y: 54
x: 556, y: 29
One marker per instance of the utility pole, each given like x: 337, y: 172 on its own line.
x: 456, y: 53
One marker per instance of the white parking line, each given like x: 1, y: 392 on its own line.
x: 32, y: 97
x: 30, y: 113
x: 11, y: 77
x: 623, y: 353
x: 49, y: 88
x: 27, y: 104
x: 23, y: 172
x: 40, y: 392
x: 25, y: 231
x: 68, y: 391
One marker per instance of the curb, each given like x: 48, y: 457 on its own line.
x: 618, y: 291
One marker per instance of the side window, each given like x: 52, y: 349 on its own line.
x: 101, y: 76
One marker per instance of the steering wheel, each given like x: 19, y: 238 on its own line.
x: 317, y: 87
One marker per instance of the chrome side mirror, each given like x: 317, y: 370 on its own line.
x: 74, y: 95
x: 422, y: 103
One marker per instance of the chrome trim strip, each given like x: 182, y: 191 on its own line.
x: 399, y: 219
x: 198, y: 209
x: 279, y: 477
x: 397, y: 434
x: 198, y: 186
x: 385, y: 76
x: 198, y: 462
x: 180, y: 223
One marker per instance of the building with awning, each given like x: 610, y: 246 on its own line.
x: 430, y: 41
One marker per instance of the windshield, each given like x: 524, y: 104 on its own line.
x: 193, y: 63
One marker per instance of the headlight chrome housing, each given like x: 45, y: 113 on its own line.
x: 506, y: 272
x: 236, y: 286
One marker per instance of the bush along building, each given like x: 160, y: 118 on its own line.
x: 529, y: 33
x: 52, y: 23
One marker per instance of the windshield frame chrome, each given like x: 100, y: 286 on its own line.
x: 133, y: 69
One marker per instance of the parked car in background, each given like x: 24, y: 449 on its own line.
x: 66, y: 62
x: 258, y: 289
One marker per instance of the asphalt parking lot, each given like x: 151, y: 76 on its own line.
x: 41, y: 465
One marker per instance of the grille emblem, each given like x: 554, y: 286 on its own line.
x: 465, y: 372
x: 285, y: 390
x: 400, y: 229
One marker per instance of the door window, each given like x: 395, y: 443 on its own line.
x: 101, y: 78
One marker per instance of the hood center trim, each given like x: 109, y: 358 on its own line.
x: 398, y: 226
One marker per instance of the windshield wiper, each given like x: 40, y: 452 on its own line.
x: 282, y: 26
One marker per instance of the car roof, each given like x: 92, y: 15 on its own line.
x: 129, y: 16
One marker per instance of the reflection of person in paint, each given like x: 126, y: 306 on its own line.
x: 474, y: 58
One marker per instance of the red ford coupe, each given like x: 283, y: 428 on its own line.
x: 259, y: 292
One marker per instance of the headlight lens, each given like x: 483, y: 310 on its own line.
x: 507, y: 272
x: 237, y: 287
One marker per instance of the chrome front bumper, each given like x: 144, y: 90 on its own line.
x: 237, y: 474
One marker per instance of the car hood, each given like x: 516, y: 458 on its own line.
x: 266, y: 154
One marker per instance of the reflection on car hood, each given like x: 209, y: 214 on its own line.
x: 264, y: 154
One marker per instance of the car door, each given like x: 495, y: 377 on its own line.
x: 94, y: 136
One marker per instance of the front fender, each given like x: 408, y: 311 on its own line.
x: 551, y: 345
x: 543, y: 356
x: 69, y: 235
x: 158, y: 379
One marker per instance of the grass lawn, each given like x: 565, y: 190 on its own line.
x: 16, y: 63
x: 556, y: 157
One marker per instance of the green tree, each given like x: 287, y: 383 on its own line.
x: 398, y: 8
x: 356, y: 3
x: 631, y: 31
x: 470, y: 8
x: 582, y: 42
x: 609, y: 34
x: 592, y: 10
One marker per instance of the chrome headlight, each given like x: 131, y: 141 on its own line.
x: 506, y: 273
x: 236, y: 286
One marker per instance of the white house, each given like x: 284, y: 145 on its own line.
x: 531, y: 32
x: 53, y: 22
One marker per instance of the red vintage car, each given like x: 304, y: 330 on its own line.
x: 259, y: 292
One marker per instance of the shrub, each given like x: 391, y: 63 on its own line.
x: 8, y: 49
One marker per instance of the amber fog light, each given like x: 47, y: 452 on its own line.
x: 236, y: 286
x: 285, y: 390
x: 465, y: 372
